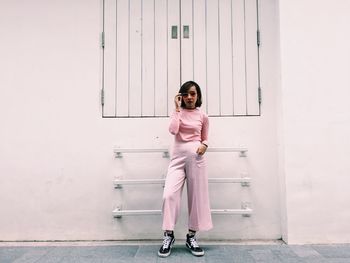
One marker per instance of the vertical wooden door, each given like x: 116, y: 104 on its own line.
x: 221, y: 54
x: 152, y: 46
x: 141, y: 58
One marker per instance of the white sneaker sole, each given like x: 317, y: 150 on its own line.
x: 164, y: 255
x: 198, y: 254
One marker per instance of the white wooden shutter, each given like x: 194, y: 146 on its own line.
x: 225, y: 54
x: 141, y: 61
x: 145, y: 63
x: 109, y: 57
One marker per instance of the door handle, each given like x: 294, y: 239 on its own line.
x: 186, y: 31
x: 174, y: 32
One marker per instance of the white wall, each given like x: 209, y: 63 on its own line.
x: 315, y: 62
x: 56, y: 156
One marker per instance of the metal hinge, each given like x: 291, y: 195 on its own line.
x: 102, y: 97
x: 103, y: 39
x: 259, y: 95
x: 258, y: 37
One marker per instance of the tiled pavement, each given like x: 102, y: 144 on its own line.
x: 108, y: 252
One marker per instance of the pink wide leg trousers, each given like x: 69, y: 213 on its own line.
x: 187, y: 165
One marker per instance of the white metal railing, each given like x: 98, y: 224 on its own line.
x: 119, y: 151
x: 118, y: 183
x: 119, y: 212
x: 242, y: 151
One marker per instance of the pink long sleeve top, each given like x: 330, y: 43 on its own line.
x: 189, y: 125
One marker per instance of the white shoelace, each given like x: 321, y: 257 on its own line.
x: 166, y: 242
x: 193, y: 242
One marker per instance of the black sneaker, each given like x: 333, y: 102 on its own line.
x: 165, y: 249
x: 193, y: 246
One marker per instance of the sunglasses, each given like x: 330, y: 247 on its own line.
x: 192, y: 93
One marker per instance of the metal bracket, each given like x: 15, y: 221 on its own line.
x: 103, y: 39
x: 186, y: 31
x: 247, y: 182
x: 116, y: 185
x: 259, y: 95
x: 174, y: 32
x: 118, y: 155
x: 246, y: 206
x: 243, y: 153
x: 119, y: 208
x: 102, y: 97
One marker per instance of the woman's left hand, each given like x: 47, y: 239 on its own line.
x: 201, y: 149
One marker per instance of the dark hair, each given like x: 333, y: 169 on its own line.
x: 184, y: 89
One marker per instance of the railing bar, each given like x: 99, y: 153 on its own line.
x: 130, y: 150
x: 229, y: 180
x: 232, y: 211
x: 136, y: 212
x: 160, y: 181
x: 118, y: 212
x: 141, y: 181
x: 227, y: 150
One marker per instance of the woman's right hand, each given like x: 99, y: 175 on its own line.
x: 177, y: 100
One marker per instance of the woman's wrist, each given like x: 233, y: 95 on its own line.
x: 206, y: 145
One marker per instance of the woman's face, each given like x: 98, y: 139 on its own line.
x: 190, y: 98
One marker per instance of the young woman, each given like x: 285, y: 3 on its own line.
x: 190, y: 127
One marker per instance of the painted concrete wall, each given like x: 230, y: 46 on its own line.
x: 315, y: 62
x: 57, y: 165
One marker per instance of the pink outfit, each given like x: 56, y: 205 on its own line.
x: 189, y: 125
x: 190, y: 128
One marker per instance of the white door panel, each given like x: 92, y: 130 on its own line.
x: 199, y: 48
x: 186, y: 41
x: 122, y: 75
x: 141, y: 61
x: 251, y: 57
x: 148, y: 54
x: 109, y: 63
x: 135, y: 70
x: 160, y: 60
x: 213, y: 57
x: 239, y: 65
x: 173, y: 52
x: 225, y: 58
